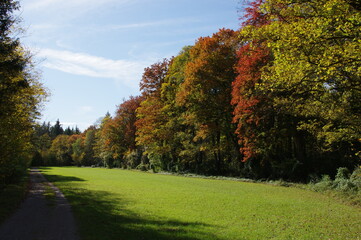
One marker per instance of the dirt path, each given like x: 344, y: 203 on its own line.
x: 40, y: 218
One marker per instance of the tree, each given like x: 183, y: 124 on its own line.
x: 103, y: 147
x: 314, y: 77
x: 56, y: 130
x: 68, y: 131
x: 259, y: 129
x: 61, y: 149
x: 125, y: 135
x: 149, y: 114
x: 42, y: 129
x: 153, y: 78
x: 89, y: 143
x: 176, y: 131
x: 20, y: 96
x: 206, y: 94
x: 77, y: 149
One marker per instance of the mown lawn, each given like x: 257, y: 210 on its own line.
x: 120, y: 204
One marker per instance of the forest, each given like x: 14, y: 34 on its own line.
x: 277, y: 99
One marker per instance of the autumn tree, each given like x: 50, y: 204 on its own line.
x: 258, y: 130
x: 104, y: 147
x: 61, y: 150
x: 176, y: 131
x: 313, y: 79
x: 125, y: 119
x: 150, y: 117
x: 206, y: 94
x: 48, y: 151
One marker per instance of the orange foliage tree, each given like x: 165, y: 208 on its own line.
x: 206, y: 95
x: 151, y: 120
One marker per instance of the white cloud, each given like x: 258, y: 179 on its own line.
x: 164, y: 22
x: 67, y: 4
x: 86, y: 109
x: 122, y: 71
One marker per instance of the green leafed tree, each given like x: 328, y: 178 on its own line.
x: 61, y: 149
x: 177, y: 133
x: 314, y: 75
x: 103, y: 147
x: 89, y: 158
x: 20, y: 96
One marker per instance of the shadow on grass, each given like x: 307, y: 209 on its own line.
x: 57, y: 178
x: 103, y: 215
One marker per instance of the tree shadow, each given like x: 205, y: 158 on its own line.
x: 106, y: 216
x: 58, y: 178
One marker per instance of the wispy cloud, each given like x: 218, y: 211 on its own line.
x: 62, y: 4
x: 163, y: 22
x: 122, y: 71
x: 86, y: 109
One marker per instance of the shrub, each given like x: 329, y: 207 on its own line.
x: 345, y: 183
x: 356, y: 177
x: 342, y: 173
x: 324, y: 184
x: 143, y: 167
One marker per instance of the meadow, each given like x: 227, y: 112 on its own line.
x: 122, y: 204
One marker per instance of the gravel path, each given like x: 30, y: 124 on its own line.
x: 39, y: 218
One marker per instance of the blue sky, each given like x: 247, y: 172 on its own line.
x: 92, y: 53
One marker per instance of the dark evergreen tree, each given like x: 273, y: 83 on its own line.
x: 56, y: 130
x: 68, y: 131
x: 77, y: 130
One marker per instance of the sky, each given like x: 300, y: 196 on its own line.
x: 92, y: 53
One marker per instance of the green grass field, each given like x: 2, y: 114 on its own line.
x: 120, y: 204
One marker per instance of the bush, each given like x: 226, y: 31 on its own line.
x: 342, y: 173
x: 143, y: 167
x: 344, y: 183
x: 356, y: 177
x: 324, y: 184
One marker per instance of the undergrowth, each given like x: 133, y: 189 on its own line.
x: 345, y: 186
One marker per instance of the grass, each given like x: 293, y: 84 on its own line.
x: 11, y: 197
x: 120, y: 204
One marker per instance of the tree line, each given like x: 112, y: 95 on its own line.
x: 278, y: 98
